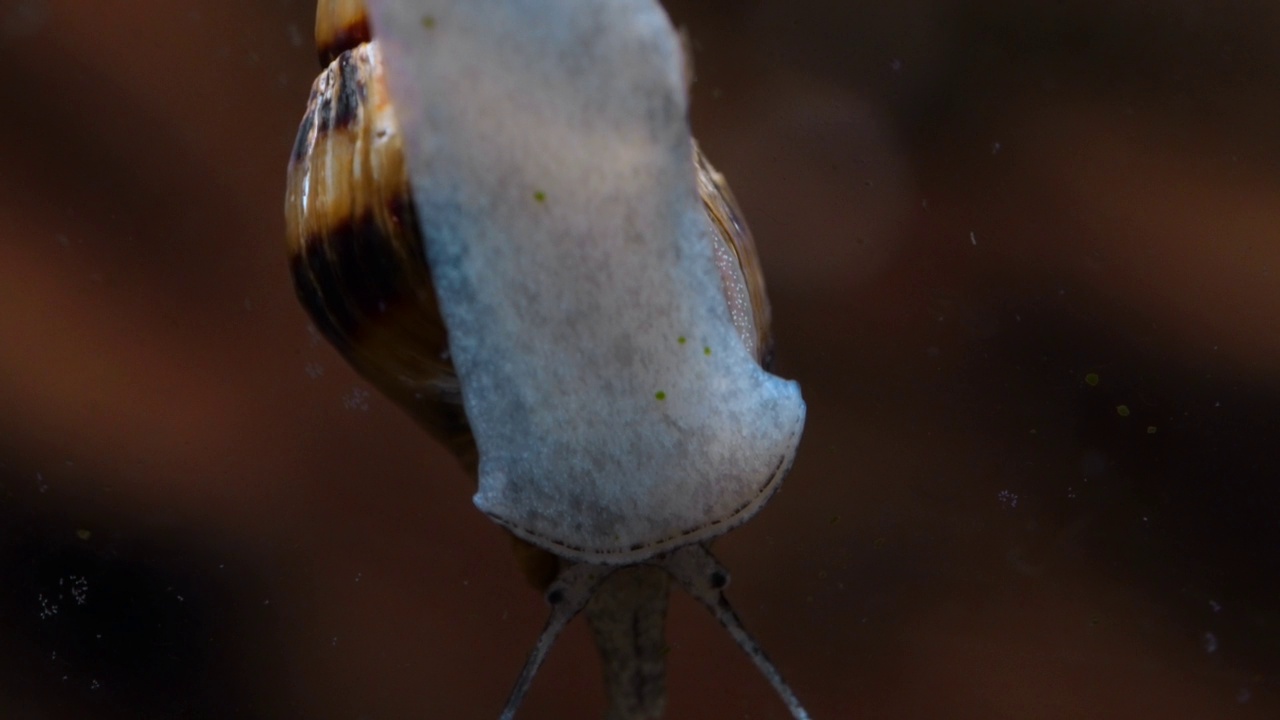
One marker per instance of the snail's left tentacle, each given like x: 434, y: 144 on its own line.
x: 567, y: 596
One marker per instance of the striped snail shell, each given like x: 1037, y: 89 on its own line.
x: 360, y: 271
x: 356, y: 252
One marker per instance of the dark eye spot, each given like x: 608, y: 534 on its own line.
x: 555, y: 597
x: 719, y: 580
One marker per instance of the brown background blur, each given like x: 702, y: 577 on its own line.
x: 964, y: 208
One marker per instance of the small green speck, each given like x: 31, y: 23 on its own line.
x: 539, y: 196
x: 1151, y: 429
x: 660, y: 395
x: 1092, y: 379
x: 1122, y: 410
x: 83, y: 534
x: 706, y: 350
x: 681, y: 340
x: 428, y: 21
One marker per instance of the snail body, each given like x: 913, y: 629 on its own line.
x: 385, y: 278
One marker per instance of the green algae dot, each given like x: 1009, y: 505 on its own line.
x: 681, y: 340
x: 83, y: 534
x: 706, y: 350
x: 1123, y: 410
x: 428, y: 22
x: 539, y: 196
x: 660, y: 395
x: 1151, y: 429
x: 1092, y: 379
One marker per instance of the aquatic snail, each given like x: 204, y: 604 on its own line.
x: 359, y: 257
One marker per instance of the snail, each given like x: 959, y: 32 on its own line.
x: 565, y: 295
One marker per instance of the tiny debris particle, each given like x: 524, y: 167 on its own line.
x: 1008, y: 499
x: 1209, y: 642
x: 1122, y: 410
x: 83, y: 534
x: 428, y: 21
x: 1092, y: 379
x: 660, y: 395
x: 356, y: 399
x: 1151, y: 429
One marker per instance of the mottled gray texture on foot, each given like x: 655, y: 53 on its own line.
x: 628, y: 616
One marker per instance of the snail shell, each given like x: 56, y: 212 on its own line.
x: 357, y: 258
x: 357, y: 255
x: 356, y: 252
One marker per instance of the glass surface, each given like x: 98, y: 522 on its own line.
x: 1023, y: 258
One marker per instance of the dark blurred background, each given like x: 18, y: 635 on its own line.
x: 1024, y: 261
